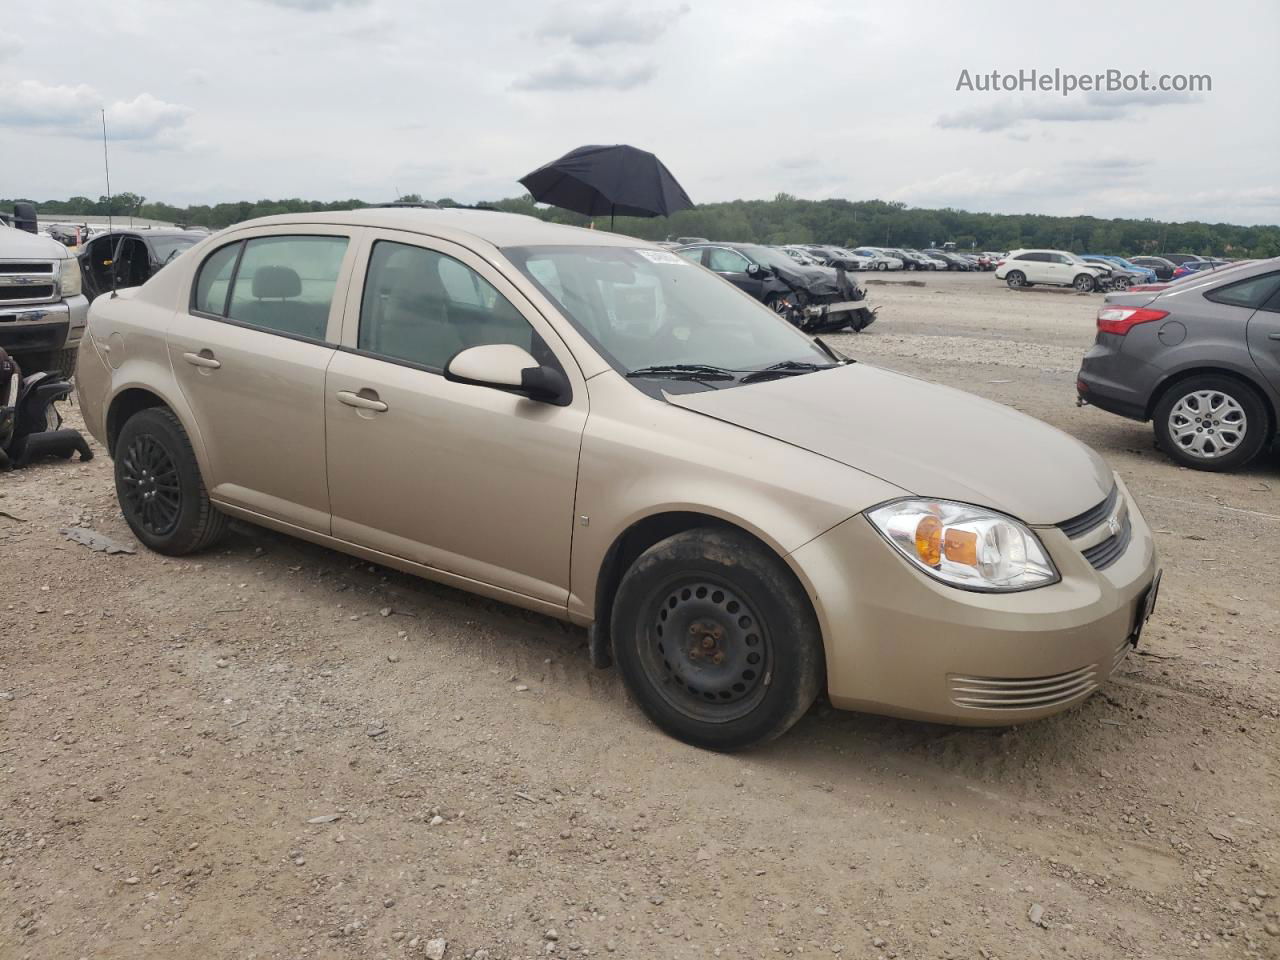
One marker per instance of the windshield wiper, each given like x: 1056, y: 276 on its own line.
x: 685, y: 371
x: 787, y: 368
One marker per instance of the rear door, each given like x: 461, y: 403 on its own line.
x: 250, y: 354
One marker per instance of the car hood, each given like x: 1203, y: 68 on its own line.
x: 930, y: 440
x: 18, y: 244
x: 816, y: 281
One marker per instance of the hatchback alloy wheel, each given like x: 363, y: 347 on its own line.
x: 1208, y: 424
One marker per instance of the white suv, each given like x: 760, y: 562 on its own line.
x: 1058, y: 268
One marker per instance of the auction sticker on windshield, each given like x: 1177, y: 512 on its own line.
x: 662, y: 256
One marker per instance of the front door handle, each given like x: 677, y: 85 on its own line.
x: 1273, y: 336
x: 204, y: 358
x: 362, y: 402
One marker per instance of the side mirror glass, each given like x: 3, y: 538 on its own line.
x: 504, y: 366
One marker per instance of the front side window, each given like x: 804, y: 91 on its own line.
x: 727, y: 261
x: 423, y: 307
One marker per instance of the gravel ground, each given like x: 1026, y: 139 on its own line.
x: 272, y: 750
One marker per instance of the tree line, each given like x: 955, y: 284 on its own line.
x: 784, y: 219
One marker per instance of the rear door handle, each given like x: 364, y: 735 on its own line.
x: 1273, y: 336
x: 362, y: 403
x: 201, y: 360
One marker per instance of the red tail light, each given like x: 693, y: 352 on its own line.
x: 1123, y: 319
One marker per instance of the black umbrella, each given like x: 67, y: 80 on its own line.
x: 596, y: 180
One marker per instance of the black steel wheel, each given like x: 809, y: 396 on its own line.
x: 158, y: 483
x: 716, y: 640
x: 708, y: 653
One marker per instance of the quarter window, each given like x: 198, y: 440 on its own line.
x: 1252, y: 293
x: 214, y: 282
x: 423, y: 307
x: 286, y: 284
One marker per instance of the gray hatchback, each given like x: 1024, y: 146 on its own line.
x: 1199, y: 357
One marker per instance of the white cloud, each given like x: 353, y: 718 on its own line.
x: 313, y: 6
x: 73, y: 110
x: 587, y: 75
x: 597, y: 25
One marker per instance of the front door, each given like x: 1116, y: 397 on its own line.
x: 250, y: 355
x: 468, y: 480
x: 735, y: 268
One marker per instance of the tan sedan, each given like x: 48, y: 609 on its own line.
x: 590, y: 426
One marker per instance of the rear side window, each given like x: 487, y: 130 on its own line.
x: 1252, y: 293
x: 286, y: 284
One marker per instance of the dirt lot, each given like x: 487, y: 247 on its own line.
x: 170, y: 730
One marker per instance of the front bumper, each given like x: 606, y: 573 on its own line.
x: 844, y: 306
x: 44, y: 326
x: 902, y: 644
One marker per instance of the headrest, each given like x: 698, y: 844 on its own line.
x: 273, y: 282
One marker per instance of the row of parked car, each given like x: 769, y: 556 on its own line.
x: 1091, y: 272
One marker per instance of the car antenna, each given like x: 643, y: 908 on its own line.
x: 106, y: 167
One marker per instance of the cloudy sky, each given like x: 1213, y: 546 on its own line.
x: 248, y: 99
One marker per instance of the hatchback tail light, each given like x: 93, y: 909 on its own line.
x: 1121, y: 320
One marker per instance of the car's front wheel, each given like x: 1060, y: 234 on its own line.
x: 1015, y: 279
x: 882, y: 265
x: 1211, y: 422
x: 158, y: 483
x: 716, y: 640
x: 1084, y: 283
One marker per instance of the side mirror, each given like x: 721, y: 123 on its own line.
x: 504, y: 366
x: 24, y: 217
x: 753, y: 270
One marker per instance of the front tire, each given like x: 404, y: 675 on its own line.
x: 1211, y: 422
x: 158, y: 483
x: 1084, y: 283
x: 882, y: 266
x: 1015, y: 279
x: 716, y: 640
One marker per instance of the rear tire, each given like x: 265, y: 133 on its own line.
x: 158, y: 484
x: 716, y: 640
x: 60, y: 362
x: 1211, y: 422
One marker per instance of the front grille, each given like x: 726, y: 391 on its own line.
x: 27, y: 293
x: 1109, y: 550
x: 992, y: 693
x: 9, y: 267
x: 1083, y: 523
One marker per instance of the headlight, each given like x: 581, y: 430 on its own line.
x: 965, y: 546
x: 69, y: 277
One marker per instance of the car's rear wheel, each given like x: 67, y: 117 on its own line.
x: 1211, y: 422
x: 158, y: 483
x: 1084, y: 283
x: 716, y: 640
x: 1015, y: 279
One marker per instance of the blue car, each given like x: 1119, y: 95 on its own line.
x: 1149, y: 275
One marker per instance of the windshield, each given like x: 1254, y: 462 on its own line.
x: 767, y: 257
x: 643, y: 308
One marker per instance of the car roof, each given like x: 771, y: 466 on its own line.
x: 492, y: 226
